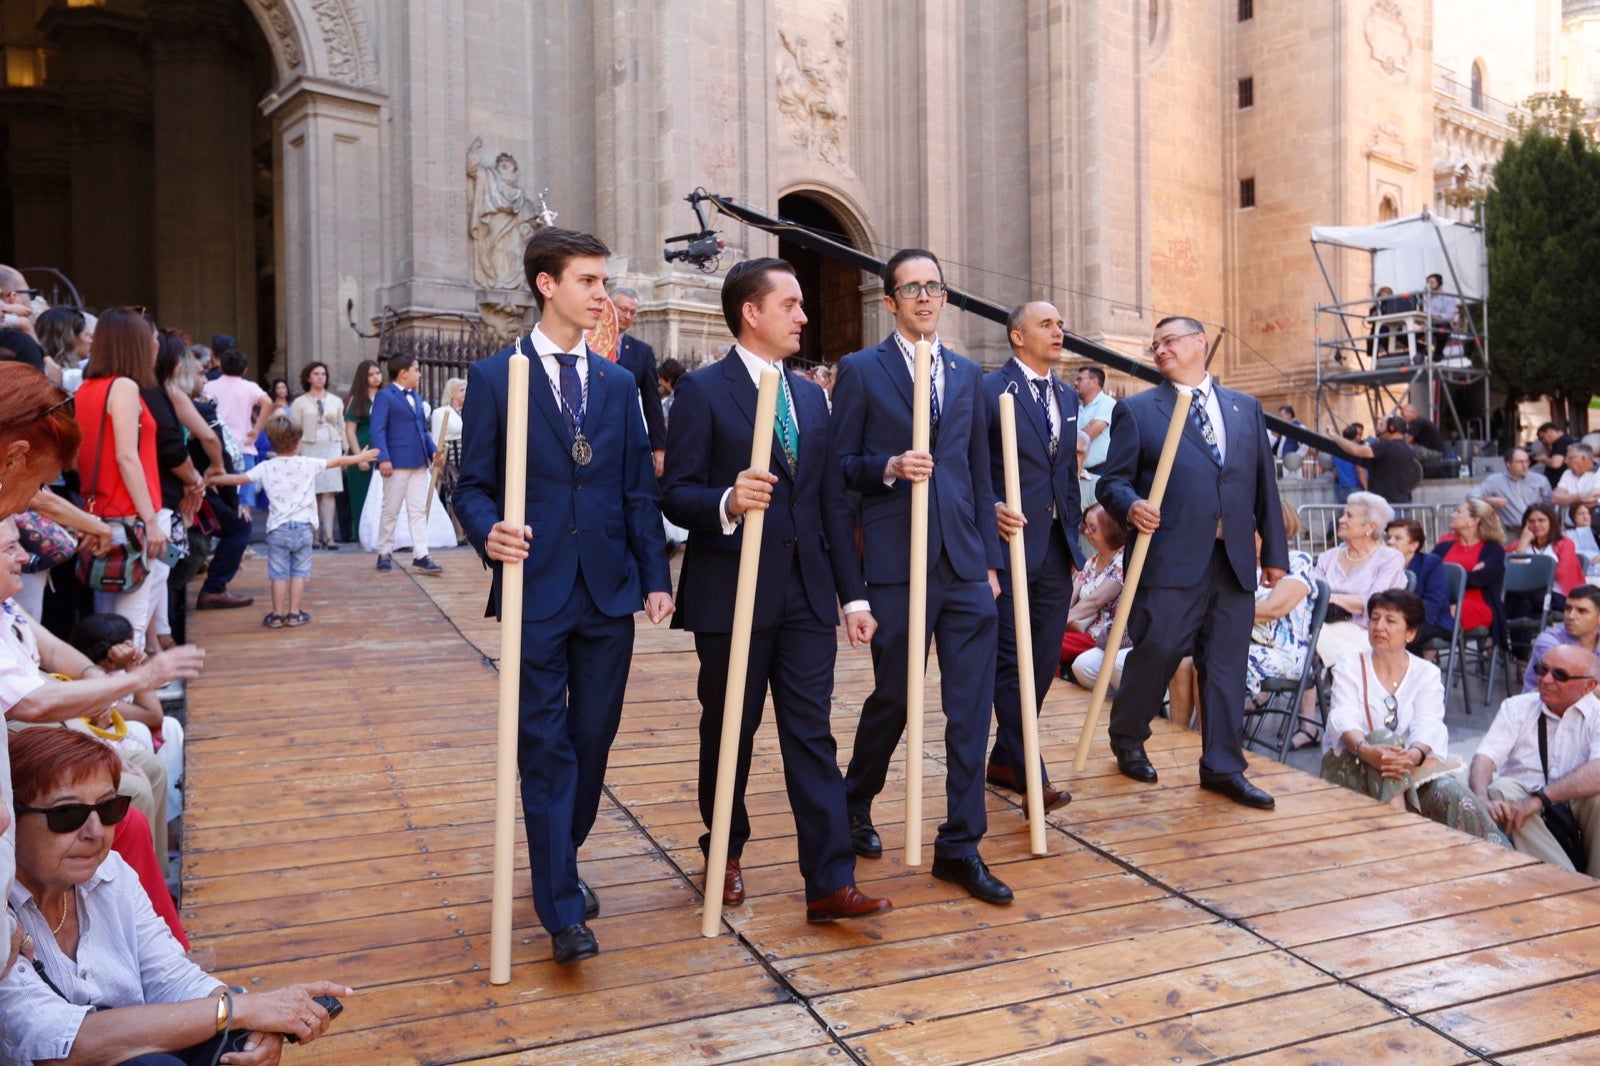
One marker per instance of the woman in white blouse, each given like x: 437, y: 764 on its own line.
x: 1385, y: 734
x: 101, y: 978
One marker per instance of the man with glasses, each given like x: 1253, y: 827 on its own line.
x: 639, y: 359
x: 1197, y: 594
x: 1543, y: 750
x: 1579, y: 625
x: 1512, y: 491
x: 872, y: 410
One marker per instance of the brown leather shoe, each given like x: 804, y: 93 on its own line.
x: 732, y: 885
x: 1004, y: 777
x: 848, y: 902
x: 217, y: 601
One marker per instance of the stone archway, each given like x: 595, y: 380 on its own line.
x: 833, y: 290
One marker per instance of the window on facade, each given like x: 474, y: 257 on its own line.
x: 1247, y: 92
x: 1247, y: 192
x: 1247, y: 10
x: 1477, y: 86
x: 1388, y: 210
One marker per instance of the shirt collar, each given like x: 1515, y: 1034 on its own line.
x: 908, y: 348
x: 754, y: 363
x: 544, y: 346
x: 1029, y: 375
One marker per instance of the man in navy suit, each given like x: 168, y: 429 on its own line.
x: 1197, y: 593
x: 872, y: 432
x: 1047, y: 467
x: 808, y: 567
x: 639, y: 359
x: 405, y: 451
x: 593, y: 555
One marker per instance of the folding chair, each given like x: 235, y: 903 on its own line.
x: 1453, y: 651
x: 1283, y: 694
x: 1525, y: 572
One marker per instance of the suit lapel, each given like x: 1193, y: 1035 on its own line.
x: 1232, y: 417
x: 1028, y: 400
x: 541, y: 392
x: 894, y: 364
x: 594, y: 397
x: 745, y: 394
x: 1191, y: 432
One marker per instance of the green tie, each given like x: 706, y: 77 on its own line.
x: 788, y: 432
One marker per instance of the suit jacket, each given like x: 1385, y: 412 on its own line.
x: 1242, y: 493
x: 600, y: 523
x: 1045, y: 483
x: 872, y: 422
x: 713, y: 414
x: 399, y: 430
x: 639, y: 359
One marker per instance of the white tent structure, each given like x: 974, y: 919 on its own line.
x: 1384, y: 349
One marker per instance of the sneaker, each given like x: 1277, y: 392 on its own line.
x: 426, y: 565
x: 385, y: 563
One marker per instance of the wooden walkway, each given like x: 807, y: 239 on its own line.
x: 338, y: 825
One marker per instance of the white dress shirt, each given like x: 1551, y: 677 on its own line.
x: 1050, y: 397
x: 1419, y: 699
x: 1512, y: 742
x: 547, y: 351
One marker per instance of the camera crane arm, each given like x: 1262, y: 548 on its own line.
x: 966, y: 301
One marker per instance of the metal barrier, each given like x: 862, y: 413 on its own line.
x: 1319, y: 523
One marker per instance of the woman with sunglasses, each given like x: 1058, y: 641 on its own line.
x: 106, y: 982
x: 1385, y: 734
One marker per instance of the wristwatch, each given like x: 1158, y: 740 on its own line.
x: 1538, y: 794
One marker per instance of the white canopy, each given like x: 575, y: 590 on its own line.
x: 1406, y: 250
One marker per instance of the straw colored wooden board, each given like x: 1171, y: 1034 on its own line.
x: 1488, y: 972
x: 1526, y: 1018
x: 1400, y: 1041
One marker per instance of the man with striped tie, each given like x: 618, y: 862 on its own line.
x: 1197, y: 593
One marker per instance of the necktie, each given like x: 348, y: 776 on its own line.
x: 933, y: 406
x: 571, y: 392
x: 1041, y: 390
x: 788, y: 431
x: 1202, y: 421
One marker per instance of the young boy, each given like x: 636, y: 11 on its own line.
x: 289, y: 479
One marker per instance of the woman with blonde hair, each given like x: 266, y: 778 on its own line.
x: 1476, y: 543
x: 446, y: 429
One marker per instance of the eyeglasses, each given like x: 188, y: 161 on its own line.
x: 69, y: 817
x: 1167, y: 342
x: 1561, y: 676
x: 31, y: 294
x: 911, y: 290
x: 1391, y: 712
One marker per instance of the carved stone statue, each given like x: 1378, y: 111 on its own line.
x: 503, y: 217
x: 811, y: 92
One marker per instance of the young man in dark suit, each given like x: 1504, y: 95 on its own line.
x: 593, y: 554
x: 1197, y: 593
x: 808, y: 567
x: 639, y: 359
x: 872, y: 429
x: 1047, y: 467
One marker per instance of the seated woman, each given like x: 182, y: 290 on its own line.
x: 1386, y: 736
x: 1476, y: 543
x: 1542, y: 535
x: 1281, y: 637
x: 1433, y: 584
x: 1581, y: 517
x: 1361, y: 565
x: 105, y: 981
x: 1095, y: 591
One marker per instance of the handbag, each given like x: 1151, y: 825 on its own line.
x: 123, y: 568
x: 1558, y: 817
x: 47, y: 542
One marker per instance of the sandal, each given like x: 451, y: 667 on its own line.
x: 1303, y: 739
x: 274, y: 621
x: 297, y: 618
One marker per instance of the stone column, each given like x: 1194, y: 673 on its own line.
x: 105, y: 93
x: 327, y: 155
x: 204, y: 224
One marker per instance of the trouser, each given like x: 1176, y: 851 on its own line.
x: 409, y: 487
x: 1535, y: 839
x: 1049, y: 600
x: 232, y: 540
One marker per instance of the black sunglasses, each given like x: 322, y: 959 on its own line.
x: 69, y: 817
x: 1561, y: 676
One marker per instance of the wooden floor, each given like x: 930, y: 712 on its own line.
x: 338, y: 825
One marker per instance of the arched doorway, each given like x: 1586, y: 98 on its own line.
x: 832, y: 289
x: 138, y: 163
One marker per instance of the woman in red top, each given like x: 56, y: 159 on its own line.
x: 1476, y: 543
x: 117, y: 463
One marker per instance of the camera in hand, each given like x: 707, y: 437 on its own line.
x: 329, y: 1004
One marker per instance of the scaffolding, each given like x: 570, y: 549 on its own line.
x: 1413, y: 342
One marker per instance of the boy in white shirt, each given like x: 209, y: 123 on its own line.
x: 289, y: 479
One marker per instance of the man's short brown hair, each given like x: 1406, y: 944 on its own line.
x: 549, y: 251
x: 748, y: 283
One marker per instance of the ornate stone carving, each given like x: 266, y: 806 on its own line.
x: 280, y: 23
x: 1388, y: 39
x: 813, y: 84
x: 502, y: 218
x: 344, y: 38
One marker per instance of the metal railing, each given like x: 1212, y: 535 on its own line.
x: 1319, y: 523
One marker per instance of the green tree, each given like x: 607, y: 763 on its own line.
x: 1543, y: 222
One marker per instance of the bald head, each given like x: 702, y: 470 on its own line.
x: 1035, y: 331
x: 1579, y: 666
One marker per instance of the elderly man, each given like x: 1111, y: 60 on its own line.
x: 1511, y: 492
x: 1579, y: 626
x: 1544, y: 749
x: 1580, y: 483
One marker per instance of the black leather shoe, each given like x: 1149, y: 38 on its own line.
x: 1236, y: 788
x: 970, y: 873
x: 573, y: 943
x: 863, y: 838
x: 1133, y: 763
x: 591, y: 902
